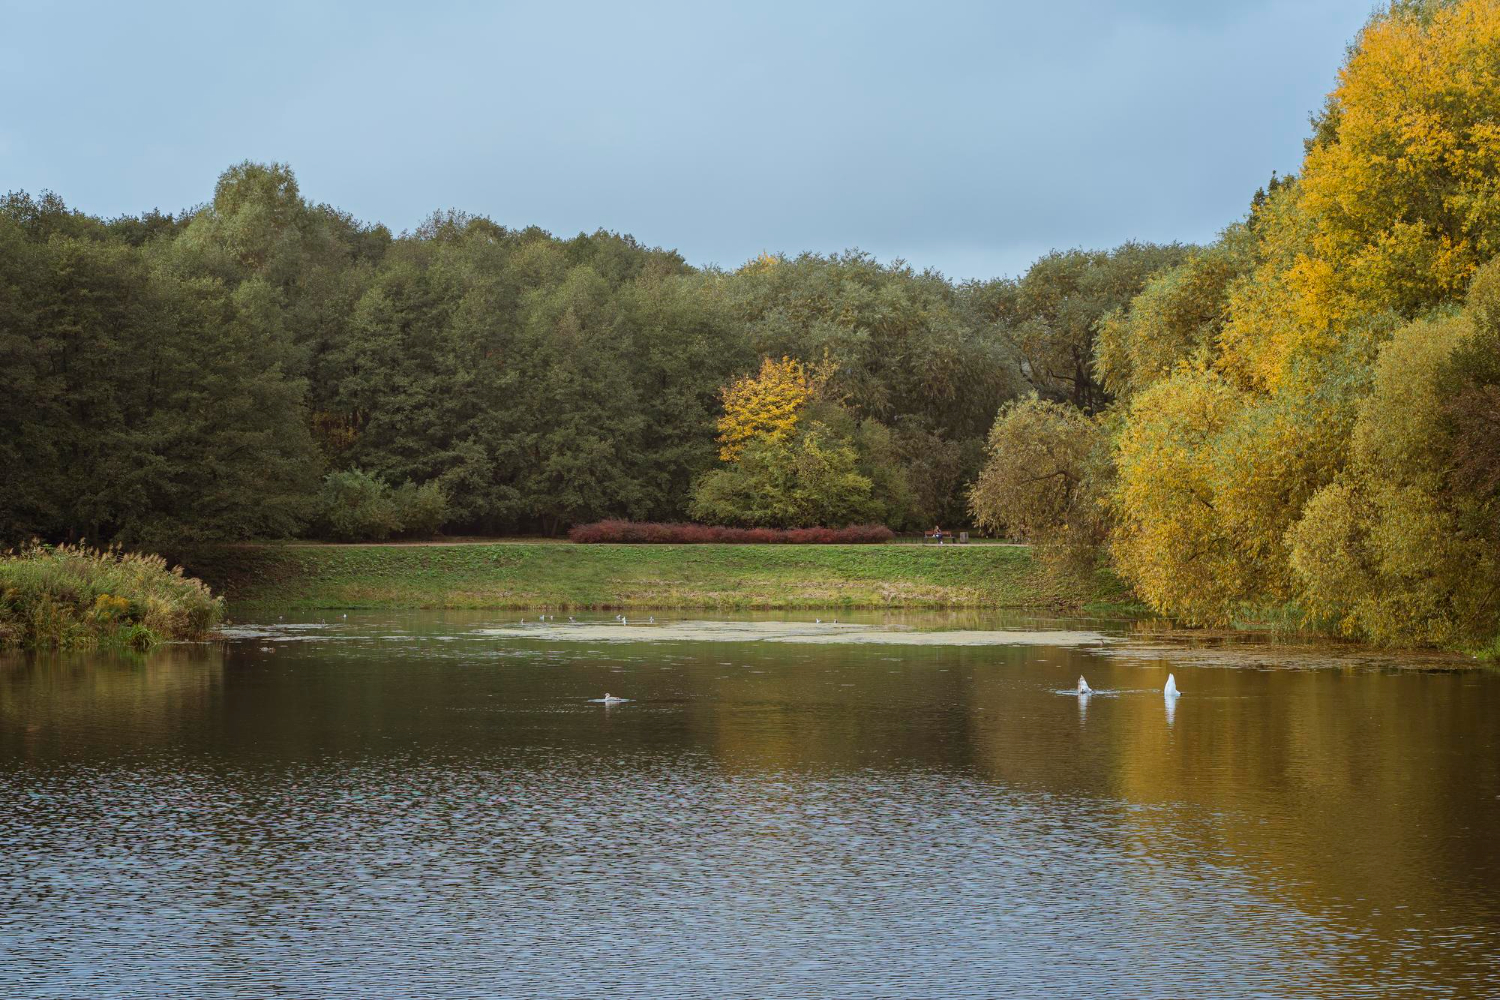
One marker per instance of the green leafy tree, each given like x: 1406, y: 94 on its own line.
x: 1044, y: 480
x: 809, y: 480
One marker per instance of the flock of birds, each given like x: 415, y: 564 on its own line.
x: 1083, y: 690
x: 1169, y: 692
x: 650, y: 620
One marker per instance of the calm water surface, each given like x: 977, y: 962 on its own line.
x: 420, y: 805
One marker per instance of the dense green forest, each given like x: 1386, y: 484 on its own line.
x: 1300, y: 419
x: 262, y: 367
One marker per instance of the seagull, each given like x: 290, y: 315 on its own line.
x: 1083, y: 686
x: 817, y: 621
x: 1170, y: 691
x: 572, y: 619
x: 624, y: 620
x: 651, y: 620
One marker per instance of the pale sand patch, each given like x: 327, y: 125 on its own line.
x: 958, y: 637
x: 798, y: 632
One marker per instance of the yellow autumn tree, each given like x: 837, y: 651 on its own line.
x: 1397, y: 203
x: 766, y: 405
x: 1401, y: 546
x: 1171, y: 540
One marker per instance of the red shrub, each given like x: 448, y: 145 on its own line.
x: 657, y: 533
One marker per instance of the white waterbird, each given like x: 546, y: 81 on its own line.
x: 1083, y: 686
x: 1170, y: 691
x: 610, y: 699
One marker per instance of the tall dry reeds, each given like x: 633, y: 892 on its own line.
x: 73, y: 595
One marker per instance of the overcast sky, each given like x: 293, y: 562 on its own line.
x: 965, y: 137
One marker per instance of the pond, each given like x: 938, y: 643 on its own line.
x: 432, y: 805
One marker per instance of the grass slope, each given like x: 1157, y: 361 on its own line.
x: 541, y: 575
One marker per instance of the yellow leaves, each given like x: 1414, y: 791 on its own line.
x: 109, y: 607
x: 1169, y: 542
x: 1394, y: 208
x: 1394, y: 197
x: 763, y: 263
x: 767, y: 404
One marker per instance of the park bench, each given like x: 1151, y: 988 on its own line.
x: 947, y: 536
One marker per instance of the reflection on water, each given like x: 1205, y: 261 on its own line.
x: 409, y: 807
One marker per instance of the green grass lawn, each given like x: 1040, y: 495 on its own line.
x: 496, y: 575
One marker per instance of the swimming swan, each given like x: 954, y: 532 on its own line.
x: 1083, y: 686
x: 610, y: 699
x: 1170, y: 691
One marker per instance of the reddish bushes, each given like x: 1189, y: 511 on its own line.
x: 690, y: 534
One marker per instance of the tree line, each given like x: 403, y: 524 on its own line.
x: 263, y: 367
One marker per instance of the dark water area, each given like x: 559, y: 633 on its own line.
x: 424, y: 806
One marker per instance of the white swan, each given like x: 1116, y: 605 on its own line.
x: 1083, y: 686
x: 1170, y: 691
x: 610, y: 699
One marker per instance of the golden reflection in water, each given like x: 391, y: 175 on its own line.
x: 77, y: 699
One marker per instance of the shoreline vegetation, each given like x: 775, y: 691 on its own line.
x: 73, y: 596
x: 502, y: 575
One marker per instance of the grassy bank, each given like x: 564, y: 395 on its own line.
x: 562, y: 576
x: 71, y: 597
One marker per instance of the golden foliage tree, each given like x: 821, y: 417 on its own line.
x: 1398, y: 201
x: 1171, y: 540
x: 1401, y: 546
x: 768, y: 404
